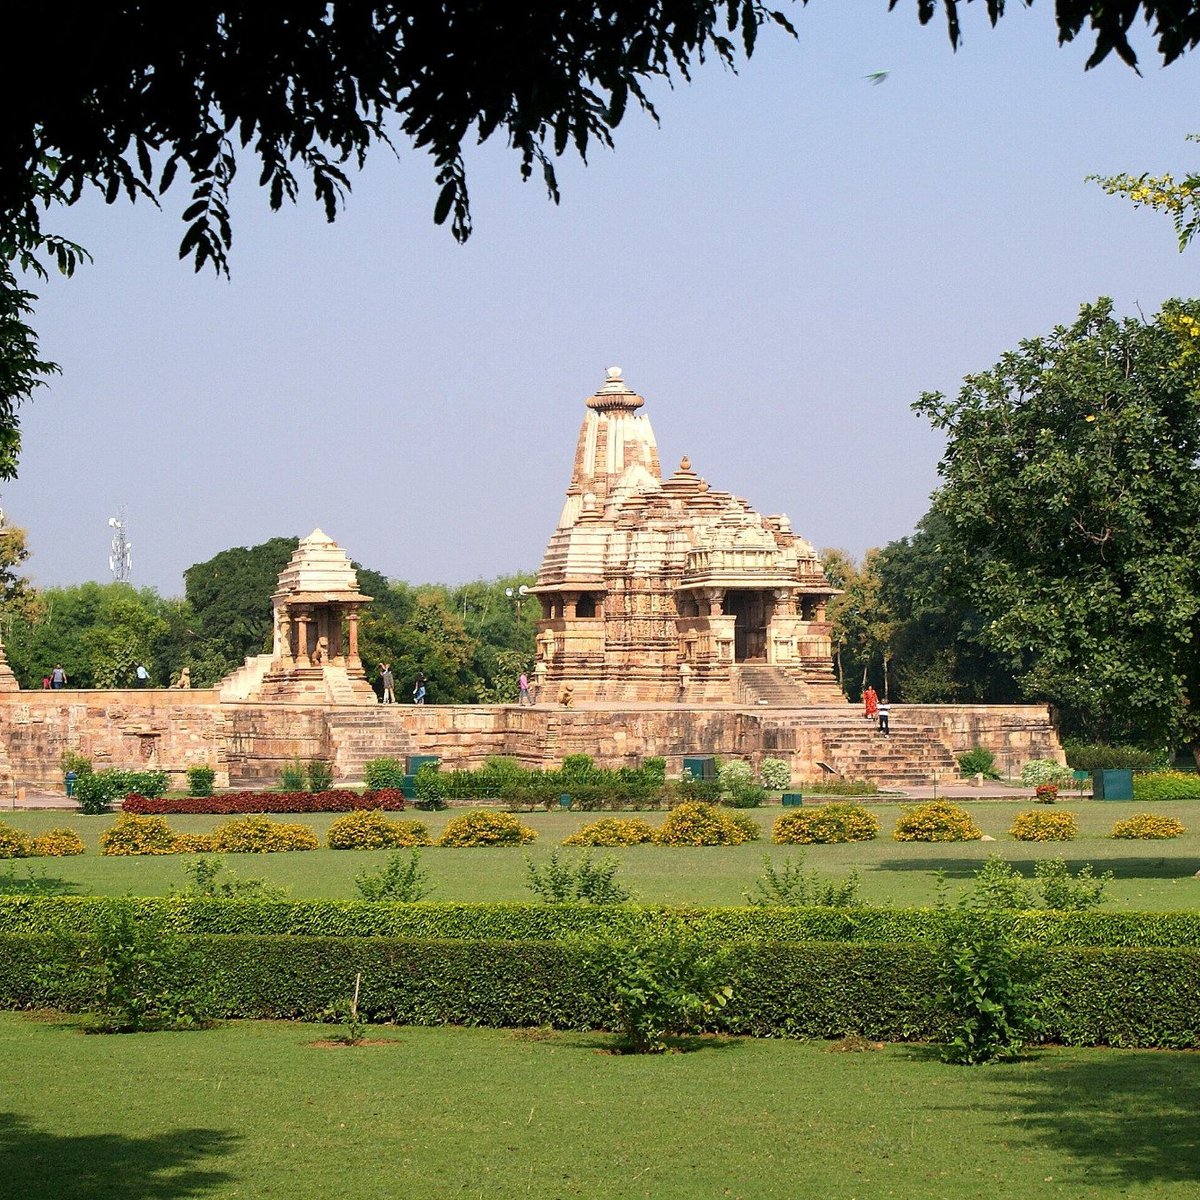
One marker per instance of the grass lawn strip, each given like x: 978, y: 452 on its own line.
x: 1151, y: 876
x: 251, y: 1110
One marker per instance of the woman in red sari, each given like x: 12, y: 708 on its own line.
x: 870, y: 703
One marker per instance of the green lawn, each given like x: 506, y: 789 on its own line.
x: 252, y: 1110
x: 1150, y: 875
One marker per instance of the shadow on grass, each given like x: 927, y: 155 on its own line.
x: 37, y: 1165
x: 34, y: 881
x: 690, y: 1044
x: 1152, y: 866
x: 1121, y: 1117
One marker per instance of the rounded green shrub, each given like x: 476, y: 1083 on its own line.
x: 936, y: 821
x: 56, y: 843
x: 132, y: 834
x: 13, y: 843
x: 485, y: 827
x: 1149, y: 826
x: 1039, y: 825
x: 704, y: 825
x: 613, y: 831
x: 825, y: 824
x: 261, y: 835
x: 369, y: 829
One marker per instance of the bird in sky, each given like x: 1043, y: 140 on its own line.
x: 877, y: 77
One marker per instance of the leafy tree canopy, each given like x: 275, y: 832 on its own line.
x: 1070, y: 501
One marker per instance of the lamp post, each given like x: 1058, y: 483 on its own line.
x: 517, y: 595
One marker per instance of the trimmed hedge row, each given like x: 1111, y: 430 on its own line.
x: 552, y: 922
x: 1118, y: 997
x: 232, y: 803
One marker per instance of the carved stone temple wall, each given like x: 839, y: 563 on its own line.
x: 658, y: 589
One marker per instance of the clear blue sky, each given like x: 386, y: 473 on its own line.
x: 781, y: 268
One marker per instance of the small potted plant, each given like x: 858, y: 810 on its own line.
x: 1046, y: 793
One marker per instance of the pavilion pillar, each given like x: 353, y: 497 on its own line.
x: 352, y: 627
x: 302, y: 639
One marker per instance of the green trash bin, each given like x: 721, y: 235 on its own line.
x: 701, y: 767
x: 792, y: 799
x: 408, y: 786
x: 564, y: 801
x: 1112, y: 785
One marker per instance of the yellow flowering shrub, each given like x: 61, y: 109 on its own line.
x: 825, y: 824
x: 133, y: 834
x: 485, y: 827
x: 1046, y: 825
x: 193, y: 843
x: 703, y: 825
x: 1147, y: 825
x: 261, y: 835
x: 613, y: 831
x: 13, y: 843
x: 936, y: 821
x: 369, y: 829
x: 56, y: 843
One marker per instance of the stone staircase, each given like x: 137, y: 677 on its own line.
x: 780, y: 687
x: 357, y: 736
x: 905, y: 758
x: 855, y: 748
x: 244, y: 682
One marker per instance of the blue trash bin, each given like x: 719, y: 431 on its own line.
x: 71, y: 777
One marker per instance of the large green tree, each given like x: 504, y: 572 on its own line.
x: 229, y: 597
x: 1069, y: 505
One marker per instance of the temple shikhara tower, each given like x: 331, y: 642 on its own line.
x: 658, y: 589
x: 314, y: 654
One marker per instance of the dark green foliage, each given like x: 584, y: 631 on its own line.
x: 794, y: 886
x: 72, y: 760
x: 230, y: 599
x: 401, y: 881
x: 142, y: 977
x: 537, y: 922
x: 293, y: 777
x: 979, y: 761
x: 583, y: 879
x: 428, y: 786
x: 1069, y: 499
x: 319, y: 775
x: 1096, y: 756
x: 200, y: 781
x: 381, y: 773
x: 209, y: 880
x: 97, y: 791
x: 1089, y: 996
x: 1062, y: 890
x: 659, y: 986
x: 988, y: 984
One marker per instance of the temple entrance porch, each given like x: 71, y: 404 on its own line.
x: 752, y: 611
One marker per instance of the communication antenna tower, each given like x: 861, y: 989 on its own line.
x: 120, y: 559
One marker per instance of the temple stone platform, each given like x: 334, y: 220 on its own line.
x: 249, y: 742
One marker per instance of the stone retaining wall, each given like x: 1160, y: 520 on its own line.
x: 249, y: 743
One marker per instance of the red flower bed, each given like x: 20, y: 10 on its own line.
x: 337, y: 800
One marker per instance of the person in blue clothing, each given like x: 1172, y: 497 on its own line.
x: 419, y: 690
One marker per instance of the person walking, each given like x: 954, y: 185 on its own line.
x: 523, y: 689
x: 419, y: 690
x: 142, y: 675
x: 870, y: 703
x: 883, y: 718
x: 58, y: 677
x: 389, y: 684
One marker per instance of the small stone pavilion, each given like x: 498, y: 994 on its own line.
x: 315, y: 648
x: 668, y: 590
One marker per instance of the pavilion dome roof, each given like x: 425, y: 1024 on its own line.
x: 319, y: 569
